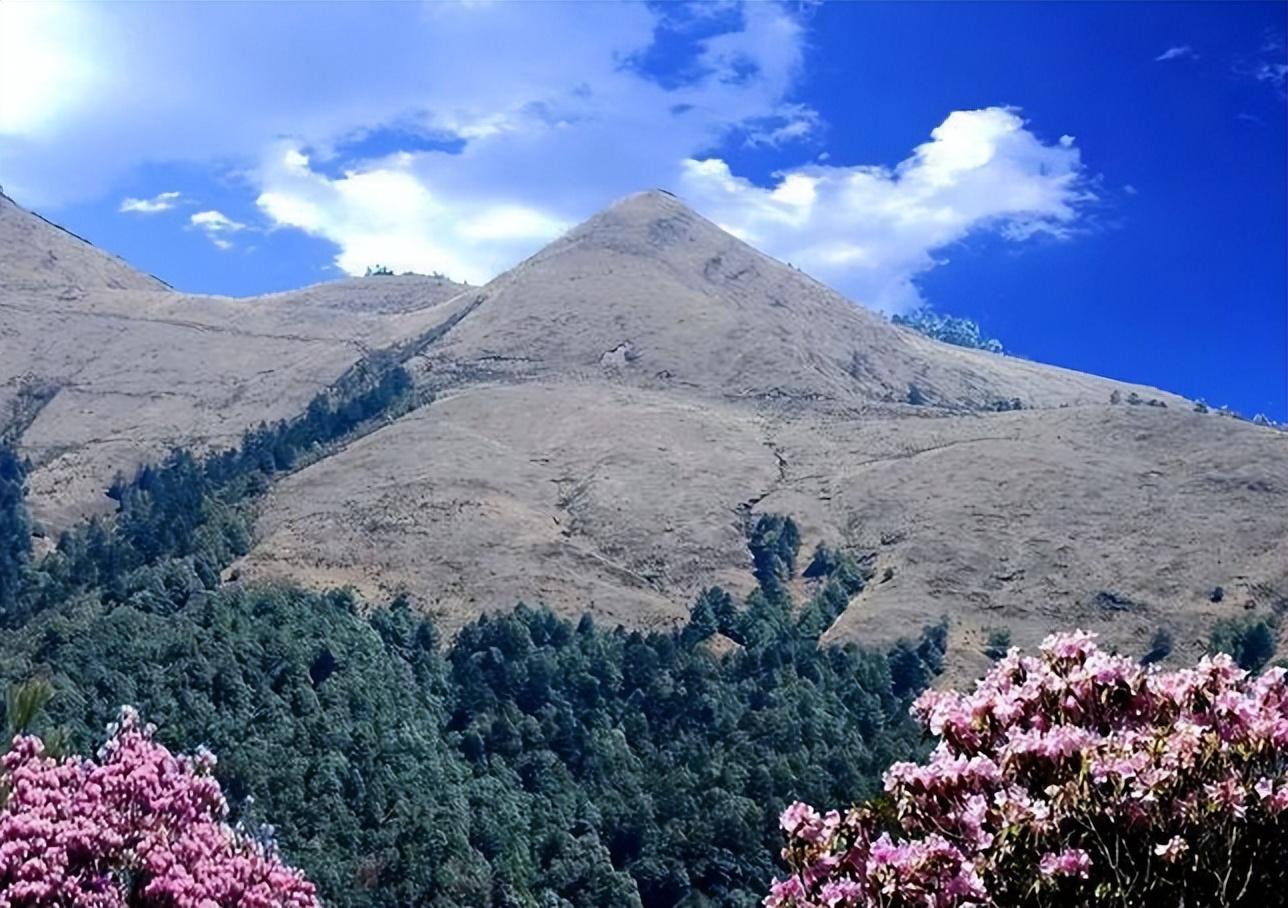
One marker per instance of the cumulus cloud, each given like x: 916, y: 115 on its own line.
x: 453, y: 139
x: 538, y: 155
x: 868, y: 230
x: 871, y: 230
x: 1179, y: 52
x: 47, y: 68
x: 389, y: 216
x: 162, y: 201
x: 216, y: 226
x: 554, y: 79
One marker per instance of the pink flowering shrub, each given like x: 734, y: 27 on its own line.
x: 1072, y: 778
x: 137, y: 827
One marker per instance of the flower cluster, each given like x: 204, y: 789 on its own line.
x: 137, y: 827
x: 1073, y: 777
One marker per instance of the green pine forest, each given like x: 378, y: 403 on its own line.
x: 528, y: 761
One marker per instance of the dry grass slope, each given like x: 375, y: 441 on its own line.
x: 614, y: 411
x: 103, y: 368
x: 619, y: 406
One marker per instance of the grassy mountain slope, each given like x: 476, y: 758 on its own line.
x: 103, y: 368
x: 610, y: 415
x: 613, y: 411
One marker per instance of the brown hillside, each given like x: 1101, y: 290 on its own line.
x: 614, y: 412
x: 650, y: 293
x: 616, y: 409
x: 103, y: 368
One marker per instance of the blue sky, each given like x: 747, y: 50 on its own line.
x: 1101, y: 185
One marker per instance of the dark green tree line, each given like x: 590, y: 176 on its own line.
x: 531, y: 761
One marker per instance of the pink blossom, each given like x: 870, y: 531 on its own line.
x: 1050, y: 771
x: 1172, y: 850
x: 138, y: 827
x: 1070, y: 862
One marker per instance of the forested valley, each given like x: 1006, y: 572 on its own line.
x: 529, y: 760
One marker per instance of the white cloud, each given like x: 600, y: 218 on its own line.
x: 388, y: 216
x: 871, y: 230
x: 564, y: 78
x: 546, y: 113
x: 552, y: 131
x: 1179, y: 52
x: 46, y: 65
x: 1268, y: 66
x: 215, y: 222
x: 1271, y: 72
x: 216, y: 226
x: 785, y: 127
x: 865, y: 229
x: 162, y: 201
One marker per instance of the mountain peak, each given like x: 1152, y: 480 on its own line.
x: 649, y: 201
x: 643, y: 222
x: 650, y: 292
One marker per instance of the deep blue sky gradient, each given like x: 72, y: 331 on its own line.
x: 1183, y: 284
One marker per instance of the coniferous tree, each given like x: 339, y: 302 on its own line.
x: 15, y: 527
